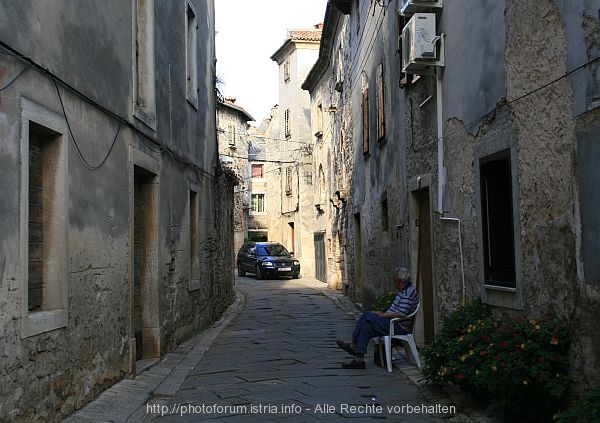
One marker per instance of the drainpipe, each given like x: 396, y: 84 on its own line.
x: 462, y: 265
x: 442, y: 177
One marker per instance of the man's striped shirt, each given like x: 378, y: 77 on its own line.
x: 405, y: 303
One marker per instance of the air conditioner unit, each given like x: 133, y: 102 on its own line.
x: 408, y: 7
x: 420, y: 44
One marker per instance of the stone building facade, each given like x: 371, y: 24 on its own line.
x: 292, y: 220
x: 476, y: 171
x: 116, y: 216
x: 232, y: 128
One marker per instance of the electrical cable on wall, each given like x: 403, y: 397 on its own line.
x: 123, y: 121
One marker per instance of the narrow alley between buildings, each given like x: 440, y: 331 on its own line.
x: 275, y: 361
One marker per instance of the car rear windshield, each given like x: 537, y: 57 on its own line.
x: 272, y: 250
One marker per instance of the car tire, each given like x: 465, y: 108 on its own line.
x: 240, y: 271
x: 259, y: 274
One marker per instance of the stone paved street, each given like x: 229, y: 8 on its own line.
x: 275, y: 361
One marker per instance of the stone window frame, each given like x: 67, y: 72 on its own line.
x: 55, y: 312
x: 143, y: 48
x: 491, y: 294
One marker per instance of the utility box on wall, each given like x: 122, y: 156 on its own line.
x: 420, y: 44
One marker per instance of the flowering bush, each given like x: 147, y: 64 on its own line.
x: 518, y: 366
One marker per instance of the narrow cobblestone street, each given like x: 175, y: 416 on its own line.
x: 276, y: 361
x: 280, y: 352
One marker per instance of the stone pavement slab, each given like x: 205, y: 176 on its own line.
x: 271, y: 357
x: 278, y: 361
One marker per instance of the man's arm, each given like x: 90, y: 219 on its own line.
x: 389, y: 315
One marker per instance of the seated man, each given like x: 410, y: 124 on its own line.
x: 377, y: 323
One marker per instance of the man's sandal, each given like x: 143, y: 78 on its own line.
x: 354, y: 365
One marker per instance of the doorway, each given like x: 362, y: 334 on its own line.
x: 424, y: 261
x: 320, y: 257
x: 145, y: 316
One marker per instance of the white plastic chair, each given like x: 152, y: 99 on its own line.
x: 408, y: 338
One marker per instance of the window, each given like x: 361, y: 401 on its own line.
x: 191, y: 47
x: 145, y: 103
x: 365, y: 118
x: 286, y: 71
x: 44, y: 200
x: 193, y: 238
x: 384, y: 216
x: 231, y: 134
x: 258, y: 170
x: 258, y: 203
x: 380, y: 105
x: 320, y: 117
x: 497, y: 220
x: 308, y: 179
x: 288, y: 181
x: 286, y: 123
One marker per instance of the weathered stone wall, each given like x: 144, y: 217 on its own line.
x: 47, y: 375
x: 521, y: 77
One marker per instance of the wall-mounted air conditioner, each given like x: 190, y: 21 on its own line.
x: 420, y: 48
x: 408, y: 7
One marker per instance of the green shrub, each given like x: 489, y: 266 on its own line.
x: 519, y: 367
x: 585, y: 410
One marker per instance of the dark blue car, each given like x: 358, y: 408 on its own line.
x: 267, y: 260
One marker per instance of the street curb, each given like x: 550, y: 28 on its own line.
x: 125, y: 401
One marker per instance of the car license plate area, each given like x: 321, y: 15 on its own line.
x: 285, y: 269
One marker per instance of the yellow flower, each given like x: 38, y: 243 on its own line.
x: 537, y: 327
x: 494, y: 368
x: 525, y: 382
x: 532, y: 321
x: 461, y: 338
x: 471, y: 352
x: 463, y: 358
